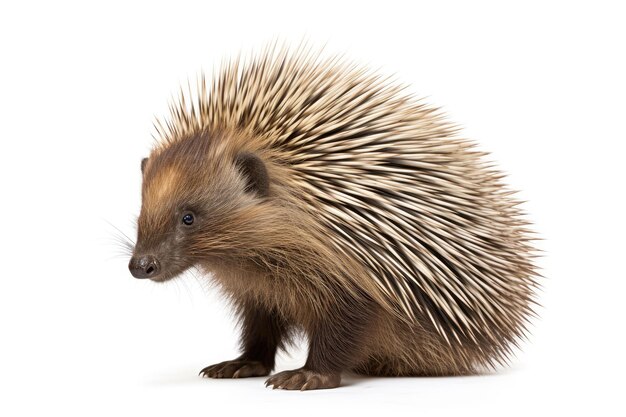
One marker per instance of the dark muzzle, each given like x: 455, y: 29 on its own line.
x: 145, y: 266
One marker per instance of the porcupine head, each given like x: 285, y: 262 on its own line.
x: 204, y: 199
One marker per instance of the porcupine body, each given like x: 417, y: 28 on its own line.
x: 323, y: 198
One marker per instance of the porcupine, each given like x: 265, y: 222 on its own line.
x: 322, y: 197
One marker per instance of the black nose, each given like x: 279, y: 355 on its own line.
x: 146, y: 266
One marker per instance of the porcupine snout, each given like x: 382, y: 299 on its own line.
x: 144, y: 266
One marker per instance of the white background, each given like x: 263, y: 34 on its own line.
x: 540, y: 85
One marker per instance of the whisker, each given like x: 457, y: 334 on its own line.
x: 121, y: 235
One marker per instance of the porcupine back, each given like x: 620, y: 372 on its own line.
x: 394, y: 187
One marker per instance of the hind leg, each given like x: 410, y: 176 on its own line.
x: 335, y: 346
x: 262, y: 334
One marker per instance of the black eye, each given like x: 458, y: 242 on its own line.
x: 188, y: 219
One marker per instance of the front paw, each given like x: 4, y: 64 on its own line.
x: 303, y: 379
x: 235, y: 369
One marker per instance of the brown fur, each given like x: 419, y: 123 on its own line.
x: 264, y: 238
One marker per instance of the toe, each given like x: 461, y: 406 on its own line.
x: 275, y: 380
x: 206, y: 372
x: 252, y: 369
x: 303, y: 379
x: 235, y: 369
x: 228, y: 370
x: 312, y: 383
x: 294, y: 382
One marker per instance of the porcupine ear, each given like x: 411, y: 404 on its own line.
x: 253, y: 168
x: 144, y: 161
